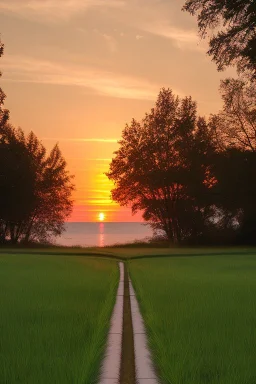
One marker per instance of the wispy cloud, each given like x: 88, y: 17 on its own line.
x: 111, y: 42
x: 173, y: 33
x: 155, y: 17
x: 181, y: 37
x: 26, y: 69
x: 54, y: 9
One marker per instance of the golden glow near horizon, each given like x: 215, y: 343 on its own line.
x: 101, y: 216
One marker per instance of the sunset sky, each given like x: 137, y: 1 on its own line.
x: 75, y: 71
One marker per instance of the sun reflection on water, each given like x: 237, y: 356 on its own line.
x: 101, y: 241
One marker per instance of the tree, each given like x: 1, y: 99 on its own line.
x: 234, y: 194
x: 162, y: 167
x: 234, y: 165
x: 235, y: 125
x: 16, y: 184
x: 53, y: 191
x: 36, y: 188
x: 4, y: 114
x: 235, y: 41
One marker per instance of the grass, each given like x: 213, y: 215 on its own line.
x: 125, y: 252
x: 54, y: 317
x: 200, y: 315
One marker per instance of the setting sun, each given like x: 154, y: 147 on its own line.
x: 101, y: 216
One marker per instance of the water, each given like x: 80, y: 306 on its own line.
x: 102, y: 234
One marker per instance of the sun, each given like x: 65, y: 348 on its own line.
x: 101, y: 216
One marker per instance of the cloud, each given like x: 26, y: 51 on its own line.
x: 182, y: 38
x: 173, y: 33
x: 54, y: 9
x: 159, y: 18
x: 111, y: 42
x: 31, y: 70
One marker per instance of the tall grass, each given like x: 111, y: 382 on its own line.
x: 200, y: 315
x: 54, y: 317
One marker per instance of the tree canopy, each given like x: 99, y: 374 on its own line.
x: 235, y: 124
x: 184, y: 175
x: 36, y: 188
x: 162, y: 167
x: 234, y: 42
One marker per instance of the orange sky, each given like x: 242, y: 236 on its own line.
x: 75, y: 71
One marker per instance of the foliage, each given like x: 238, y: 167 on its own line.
x: 163, y: 167
x: 235, y: 125
x: 192, y: 180
x: 234, y: 194
x: 234, y: 132
x: 36, y: 188
x: 17, y: 181
x: 235, y: 40
x: 53, y: 189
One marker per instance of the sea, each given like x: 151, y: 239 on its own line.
x: 103, y: 234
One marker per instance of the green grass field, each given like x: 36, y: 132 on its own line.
x: 200, y: 314
x: 54, y: 317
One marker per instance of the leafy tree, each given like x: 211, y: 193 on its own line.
x: 235, y: 41
x: 234, y: 194
x: 16, y: 184
x: 36, y: 188
x: 234, y: 165
x: 53, y: 190
x: 163, y: 167
x: 235, y: 125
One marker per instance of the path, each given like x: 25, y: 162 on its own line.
x: 127, y: 358
x: 127, y: 373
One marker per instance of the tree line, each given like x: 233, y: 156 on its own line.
x: 195, y: 179
x: 35, y: 186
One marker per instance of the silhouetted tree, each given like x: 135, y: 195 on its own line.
x: 16, y: 184
x: 235, y: 125
x: 36, y: 188
x: 163, y: 167
x: 234, y: 194
x: 235, y: 40
x: 53, y: 191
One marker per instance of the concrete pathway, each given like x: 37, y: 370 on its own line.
x: 110, y: 370
x: 127, y: 341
